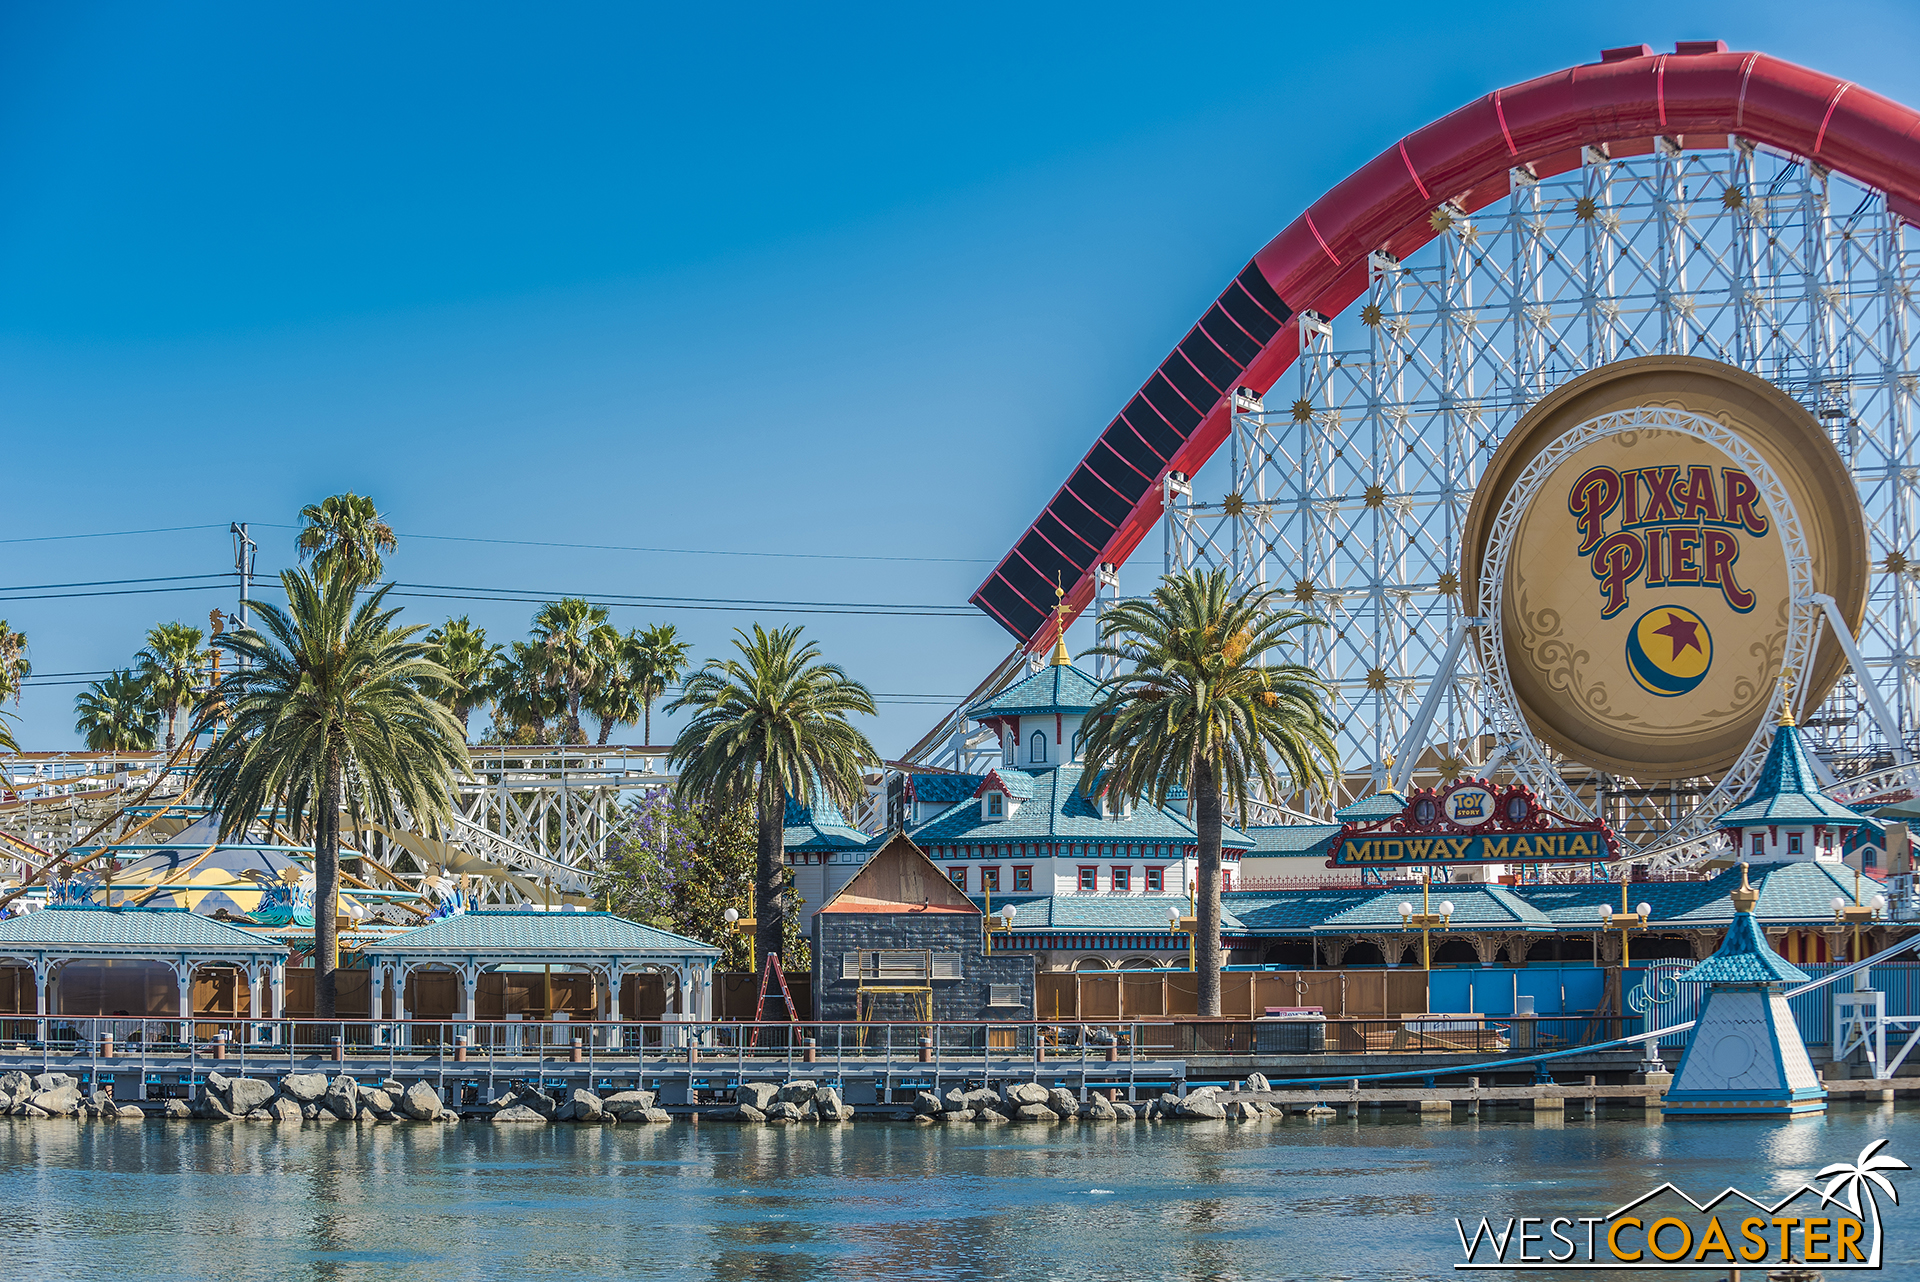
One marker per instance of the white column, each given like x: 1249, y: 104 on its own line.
x: 278, y: 969
x: 256, y: 979
x: 42, y: 974
x: 469, y: 991
x: 183, y: 979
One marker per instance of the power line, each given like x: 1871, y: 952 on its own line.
x: 101, y: 583
x: 529, y: 596
x: 619, y: 547
x: 109, y: 534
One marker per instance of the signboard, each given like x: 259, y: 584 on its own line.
x: 1471, y: 822
x: 1645, y: 604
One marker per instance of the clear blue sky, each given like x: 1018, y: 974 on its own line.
x: 843, y: 281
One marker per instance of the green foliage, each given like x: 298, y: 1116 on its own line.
x: 170, y: 668
x: 344, y: 534
x: 576, y: 644
x: 769, y: 726
x: 680, y: 867
x: 331, y: 700
x: 15, y: 667
x: 115, y: 715
x: 523, y: 702
x: 462, y: 650
x: 657, y: 659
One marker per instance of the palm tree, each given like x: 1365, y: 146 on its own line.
x: 115, y: 715
x: 15, y: 667
x: 462, y: 650
x: 1199, y: 708
x: 612, y: 696
x: 522, y: 702
x: 1850, y: 1179
x: 345, y: 531
x: 578, y: 643
x: 170, y: 665
x: 331, y: 700
x: 766, y: 727
x: 659, y: 659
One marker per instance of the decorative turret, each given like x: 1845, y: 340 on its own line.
x: 1787, y: 818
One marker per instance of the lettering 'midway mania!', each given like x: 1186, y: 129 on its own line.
x: 1674, y: 529
x: 1514, y: 847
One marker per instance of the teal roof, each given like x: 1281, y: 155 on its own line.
x: 1790, y: 893
x: 558, y: 933
x: 1744, y: 958
x: 1059, y: 811
x: 1292, y: 839
x: 1055, y: 688
x: 820, y: 827
x: 1145, y: 914
x: 1786, y: 792
x: 1016, y: 783
x: 1347, y: 909
x: 936, y: 789
x: 155, y: 928
x: 1384, y: 804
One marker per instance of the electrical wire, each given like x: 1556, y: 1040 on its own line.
x: 530, y: 596
x: 620, y: 547
x: 109, y: 534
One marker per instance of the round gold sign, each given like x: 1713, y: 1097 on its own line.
x: 1644, y: 609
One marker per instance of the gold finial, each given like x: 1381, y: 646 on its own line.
x: 1061, y: 659
x: 1745, y: 897
x: 1786, y: 698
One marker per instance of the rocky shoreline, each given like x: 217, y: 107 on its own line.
x: 314, y: 1097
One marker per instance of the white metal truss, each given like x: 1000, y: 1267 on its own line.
x: 1348, y: 484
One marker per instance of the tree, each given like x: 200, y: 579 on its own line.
x: 612, y: 695
x: 462, y: 650
x: 769, y: 726
x: 680, y: 867
x: 523, y: 702
x: 331, y: 698
x: 345, y: 532
x: 659, y: 657
x: 578, y: 644
x: 1196, y: 706
x: 169, y: 667
x: 15, y: 667
x: 115, y: 715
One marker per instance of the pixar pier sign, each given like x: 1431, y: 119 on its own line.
x: 1672, y: 526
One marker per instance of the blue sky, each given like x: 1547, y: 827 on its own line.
x: 856, y: 285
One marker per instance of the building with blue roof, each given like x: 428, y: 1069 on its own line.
x: 1787, y: 817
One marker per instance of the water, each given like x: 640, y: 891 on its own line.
x: 1361, y: 1200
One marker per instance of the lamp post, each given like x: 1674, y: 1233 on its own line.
x: 1426, y: 921
x: 1857, y: 915
x: 1625, y: 921
x: 1000, y: 923
x: 1178, y: 925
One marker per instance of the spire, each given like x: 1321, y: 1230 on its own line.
x: 1061, y: 659
x: 1746, y: 896
x: 1786, y: 698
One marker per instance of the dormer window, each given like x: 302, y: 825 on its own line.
x: 1793, y: 843
x: 1037, y: 748
x: 996, y: 805
x: 1759, y: 844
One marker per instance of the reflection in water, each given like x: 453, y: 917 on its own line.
x: 1352, y: 1199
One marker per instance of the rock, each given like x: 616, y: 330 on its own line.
x: 1201, y: 1108
x: 924, y: 1119
x: 516, y: 1113
x: 927, y: 1103
x: 55, y: 1101
x: 44, y: 1082
x: 1123, y: 1111
x: 988, y: 1117
x: 377, y: 1101
x: 126, y: 1112
x: 623, y: 1101
x: 799, y: 1092
x: 285, y: 1110
x: 955, y: 1116
x: 1064, y: 1103
x: 343, y: 1097
x: 304, y: 1088
x: 175, y: 1108
x: 211, y: 1104
x: 1244, y: 1111
x: 31, y: 1109
x: 830, y: 1107
x: 781, y: 1111
x: 218, y: 1081
x: 421, y: 1102
x: 655, y: 1116
x: 1321, y: 1110
x: 1035, y: 1113
x: 393, y: 1086
x: 15, y: 1082
x: 259, y: 1115
x: 310, y: 1112
x: 1257, y: 1082
x: 1019, y: 1093
x: 956, y: 1100
x: 244, y: 1094
x: 1204, y: 1092
x: 99, y: 1102
x: 741, y: 1113
x: 759, y: 1094
x: 1098, y: 1109
x: 579, y: 1106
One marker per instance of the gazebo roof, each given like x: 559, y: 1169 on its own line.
x: 536, y: 934
x: 90, y: 928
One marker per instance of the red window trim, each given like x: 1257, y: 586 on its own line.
x: 961, y: 880
x: 1158, y: 874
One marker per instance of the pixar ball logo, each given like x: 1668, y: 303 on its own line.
x: 1669, y: 650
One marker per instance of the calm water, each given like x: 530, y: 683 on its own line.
x: 1367, y: 1199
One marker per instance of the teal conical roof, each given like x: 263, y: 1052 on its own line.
x: 1744, y: 958
x: 1787, y: 792
x: 1058, y: 687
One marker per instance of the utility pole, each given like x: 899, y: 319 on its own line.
x: 243, y: 553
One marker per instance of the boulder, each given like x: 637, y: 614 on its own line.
x: 1243, y: 1111
x: 759, y: 1094
x: 928, y: 1103
x: 1035, y: 1113
x: 1063, y: 1102
x: 175, y: 1108
x: 1123, y: 1111
x: 1257, y: 1082
x: 99, y: 1102
x: 579, y: 1106
x: 31, y: 1109
x: 126, y: 1111
x: 1321, y: 1110
x: 284, y: 1110
x: 799, y: 1092
x: 526, y: 1097
x: 1205, y: 1107
x: 1017, y: 1093
x: 311, y: 1112
x: 377, y: 1101
x: 259, y: 1115
x: 16, y: 1082
x: 343, y: 1097
x: 954, y: 1117
x: 1204, y: 1092
x: 43, y: 1082
x: 830, y: 1107
x: 420, y: 1102
x: 956, y: 1099
x: 244, y: 1094
x: 740, y: 1113
x: 1098, y: 1108
x: 56, y: 1101
x: 988, y: 1117
x: 304, y: 1088
x: 624, y: 1101
x: 516, y: 1113
x: 782, y: 1111
x: 211, y: 1104
x: 924, y: 1119
x: 652, y: 1115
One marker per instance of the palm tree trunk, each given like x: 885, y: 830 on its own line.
x: 606, y: 730
x: 647, y: 711
x: 768, y: 904
x: 1205, y: 791
x: 326, y: 893
x: 172, y: 709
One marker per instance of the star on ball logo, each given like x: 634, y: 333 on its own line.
x: 1666, y: 1229
x: 1669, y: 650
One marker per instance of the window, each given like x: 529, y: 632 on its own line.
x: 1121, y: 878
x: 1226, y: 879
x: 1870, y: 856
x: 1793, y: 843
x: 1004, y: 995
x: 1089, y: 879
x: 1156, y: 879
x: 1006, y: 750
x: 1037, y: 747
x: 1759, y: 844
x: 1023, y: 878
x: 1079, y: 740
x: 959, y: 876
x: 996, y: 805
x: 990, y: 879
